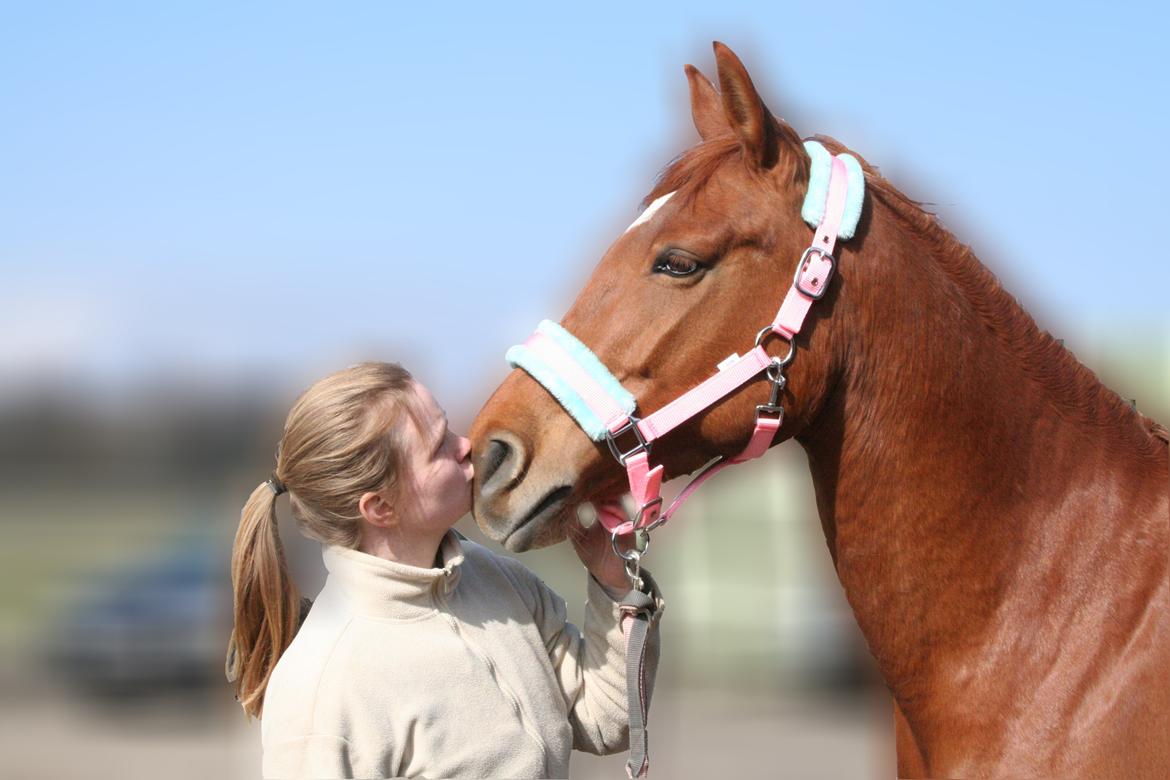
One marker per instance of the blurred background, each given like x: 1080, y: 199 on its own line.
x: 205, y: 207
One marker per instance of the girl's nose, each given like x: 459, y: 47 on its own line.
x: 464, y: 448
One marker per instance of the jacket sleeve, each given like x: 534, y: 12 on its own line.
x: 316, y: 755
x: 590, y: 665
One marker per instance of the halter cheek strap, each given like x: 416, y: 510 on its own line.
x: 605, y: 410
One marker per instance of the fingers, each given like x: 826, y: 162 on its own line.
x: 586, y: 515
x: 589, y: 534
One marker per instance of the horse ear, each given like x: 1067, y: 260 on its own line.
x: 745, y: 111
x: 706, y: 106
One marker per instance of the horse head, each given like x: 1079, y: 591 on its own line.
x: 689, y: 283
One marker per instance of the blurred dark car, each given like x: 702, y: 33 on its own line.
x: 157, y: 626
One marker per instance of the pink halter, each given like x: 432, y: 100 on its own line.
x: 598, y: 402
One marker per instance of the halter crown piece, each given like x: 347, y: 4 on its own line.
x: 606, y: 411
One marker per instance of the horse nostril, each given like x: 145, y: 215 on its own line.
x: 497, y: 452
x: 498, y: 463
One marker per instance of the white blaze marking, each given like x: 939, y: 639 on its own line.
x: 648, y: 214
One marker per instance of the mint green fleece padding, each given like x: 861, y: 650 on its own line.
x: 820, y: 168
x: 520, y: 356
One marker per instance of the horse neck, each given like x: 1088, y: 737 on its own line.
x: 965, y: 468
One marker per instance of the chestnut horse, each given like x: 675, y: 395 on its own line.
x: 998, y: 519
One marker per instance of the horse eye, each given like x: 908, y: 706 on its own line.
x: 675, y: 264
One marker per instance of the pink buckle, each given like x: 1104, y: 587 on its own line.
x: 645, y: 488
x: 813, y: 273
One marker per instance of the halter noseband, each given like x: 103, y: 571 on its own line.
x: 605, y: 410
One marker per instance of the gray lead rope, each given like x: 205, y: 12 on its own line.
x: 641, y: 607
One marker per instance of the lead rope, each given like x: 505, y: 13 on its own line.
x: 640, y: 606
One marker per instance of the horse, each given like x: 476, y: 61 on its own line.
x: 999, y: 520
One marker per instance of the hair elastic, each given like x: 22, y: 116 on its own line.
x: 276, y: 486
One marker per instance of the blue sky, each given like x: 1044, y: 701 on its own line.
x: 226, y: 190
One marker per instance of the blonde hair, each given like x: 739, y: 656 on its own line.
x: 341, y: 439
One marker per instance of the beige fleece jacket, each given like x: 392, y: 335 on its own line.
x: 469, y: 670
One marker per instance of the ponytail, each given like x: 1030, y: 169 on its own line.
x: 267, y: 606
x: 341, y: 440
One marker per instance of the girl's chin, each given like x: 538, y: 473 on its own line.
x: 464, y: 511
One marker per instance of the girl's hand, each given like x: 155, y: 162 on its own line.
x: 595, y: 550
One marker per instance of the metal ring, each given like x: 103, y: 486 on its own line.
x: 762, y: 336
x: 628, y: 555
x: 787, y: 359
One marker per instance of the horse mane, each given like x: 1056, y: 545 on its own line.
x: 686, y: 174
x: 1041, y: 356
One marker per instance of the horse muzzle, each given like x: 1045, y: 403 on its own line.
x: 528, y: 461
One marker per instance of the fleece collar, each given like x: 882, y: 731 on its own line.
x: 378, y: 588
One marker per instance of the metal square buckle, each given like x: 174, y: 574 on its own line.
x: 654, y: 504
x: 641, y: 446
x: 817, y: 292
x: 774, y: 409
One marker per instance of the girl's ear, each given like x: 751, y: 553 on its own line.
x: 377, y: 510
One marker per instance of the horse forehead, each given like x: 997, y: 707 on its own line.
x: 650, y: 211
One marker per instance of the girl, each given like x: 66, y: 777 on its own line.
x: 424, y: 654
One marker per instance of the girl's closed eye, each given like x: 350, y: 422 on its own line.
x: 444, y: 440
